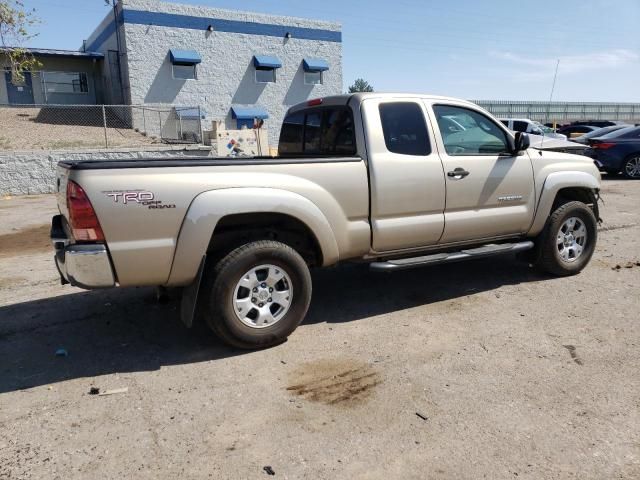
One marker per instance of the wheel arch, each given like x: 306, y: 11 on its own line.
x: 235, y: 229
x: 233, y: 205
x: 565, y: 186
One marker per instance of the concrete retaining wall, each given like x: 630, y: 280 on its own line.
x: 30, y: 173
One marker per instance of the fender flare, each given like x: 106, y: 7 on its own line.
x: 552, y: 185
x: 209, y: 207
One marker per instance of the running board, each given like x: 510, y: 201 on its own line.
x: 438, y: 258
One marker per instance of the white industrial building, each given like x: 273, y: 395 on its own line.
x: 235, y: 66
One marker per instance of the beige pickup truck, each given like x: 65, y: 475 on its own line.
x: 397, y: 181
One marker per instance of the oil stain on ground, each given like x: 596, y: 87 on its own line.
x: 334, y: 382
x: 26, y: 241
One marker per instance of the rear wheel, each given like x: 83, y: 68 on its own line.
x: 569, y: 239
x: 631, y: 167
x: 258, y: 295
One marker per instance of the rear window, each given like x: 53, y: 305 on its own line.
x: 519, y: 126
x: 623, y: 133
x: 318, y: 131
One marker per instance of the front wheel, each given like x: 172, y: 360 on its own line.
x: 259, y: 294
x: 569, y: 240
x: 631, y: 168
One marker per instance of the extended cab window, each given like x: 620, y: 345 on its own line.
x: 404, y: 128
x: 475, y: 133
x: 318, y: 131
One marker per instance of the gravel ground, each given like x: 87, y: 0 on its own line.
x: 62, y: 129
x: 478, y: 370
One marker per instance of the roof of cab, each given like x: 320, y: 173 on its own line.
x: 345, y: 99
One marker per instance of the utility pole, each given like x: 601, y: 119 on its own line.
x: 118, y: 47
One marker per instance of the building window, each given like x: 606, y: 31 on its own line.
x: 313, y: 78
x: 185, y: 72
x: 65, y: 82
x: 265, y: 75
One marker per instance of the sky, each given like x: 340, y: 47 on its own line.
x: 473, y: 49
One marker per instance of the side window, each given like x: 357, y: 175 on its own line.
x: 505, y: 123
x: 481, y: 136
x: 292, y: 135
x: 404, y: 128
x: 312, y: 133
x: 519, y: 126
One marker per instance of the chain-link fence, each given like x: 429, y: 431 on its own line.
x: 563, y: 112
x: 68, y: 127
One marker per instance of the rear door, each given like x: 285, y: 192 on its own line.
x: 405, y: 173
x: 490, y: 193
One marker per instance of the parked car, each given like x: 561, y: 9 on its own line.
x: 584, y: 139
x: 530, y: 126
x: 386, y: 179
x: 557, y: 145
x: 618, y: 151
x: 574, y: 131
x: 598, y: 123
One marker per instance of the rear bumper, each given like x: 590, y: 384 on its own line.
x: 85, y: 266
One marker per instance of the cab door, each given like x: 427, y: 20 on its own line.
x: 405, y: 175
x: 490, y: 191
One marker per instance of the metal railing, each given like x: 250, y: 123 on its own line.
x: 563, y: 112
x: 69, y: 127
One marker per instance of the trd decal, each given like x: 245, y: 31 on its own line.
x: 131, y: 197
x: 138, y: 197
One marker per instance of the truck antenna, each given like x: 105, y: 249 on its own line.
x: 553, y: 87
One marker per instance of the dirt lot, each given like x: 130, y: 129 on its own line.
x: 62, y: 129
x: 477, y: 370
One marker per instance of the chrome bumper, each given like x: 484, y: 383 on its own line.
x: 84, y: 266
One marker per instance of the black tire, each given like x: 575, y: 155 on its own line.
x: 550, y: 259
x: 630, y: 167
x: 221, y: 285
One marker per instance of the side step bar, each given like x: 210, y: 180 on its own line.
x: 438, y: 258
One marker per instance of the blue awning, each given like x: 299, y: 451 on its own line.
x: 315, y: 65
x: 185, y: 57
x: 190, y: 113
x: 267, y: 61
x: 249, y: 113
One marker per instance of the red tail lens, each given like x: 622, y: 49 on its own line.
x: 82, y: 218
x: 315, y: 102
x: 603, y: 146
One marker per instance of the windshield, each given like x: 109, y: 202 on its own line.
x: 544, y: 128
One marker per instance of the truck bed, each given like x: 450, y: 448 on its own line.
x: 143, y: 231
x: 200, y: 162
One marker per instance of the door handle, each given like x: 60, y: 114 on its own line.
x: 458, y: 172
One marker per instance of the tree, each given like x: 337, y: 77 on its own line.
x: 360, y: 85
x: 16, y: 23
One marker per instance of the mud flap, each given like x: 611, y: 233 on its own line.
x: 190, y: 297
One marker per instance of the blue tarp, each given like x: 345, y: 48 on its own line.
x: 267, y: 61
x: 315, y: 65
x: 185, y: 57
x: 249, y: 113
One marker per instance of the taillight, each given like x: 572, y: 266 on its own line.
x: 603, y: 146
x: 85, y: 226
x: 315, y: 102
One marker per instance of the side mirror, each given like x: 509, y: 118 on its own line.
x: 521, y: 143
